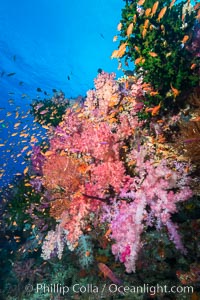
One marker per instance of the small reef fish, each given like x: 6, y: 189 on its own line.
x: 119, y: 66
x: 154, y: 110
x: 119, y: 26
x: 153, y: 54
x: 197, y: 6
x: 120, y: 52
x: 17, y: 124
x: 146, y: 23
x: 141, y: 2
x: 168, y: 54
x: 39, y: 106
x: 48, y: 153
x: 129, y: 30
x: 11, y: 74
x: 154, y: 8
x: 198, y: 15
x: 26, y: 170
x: 107, y: 234
x: 147, y: 12
x: 138, y: 60
x: 114, y: 54
x: 108, y: 273
x: 172, y: 3
x: 154, y: 93
x: 115, y: 38
x: 137, y: 48
x: 122, y: 49
x: 144, y: 32
x: 185, y: 39
x: 43, y: 112
x: 162, y: 13
x: 193, y: 66
x: 175, y: 91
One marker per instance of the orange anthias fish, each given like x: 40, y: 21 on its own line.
x: 175, y: 91
x: 26, y: 170
x: 114, y: 54
x: 146, y: 23
x: 185, y: 39
x: 138, y: 60
x: 172, y: 3
x: 147, y: 12
x: 119, y: 26
x: 129, y: 30
x: 193, y: 66
x: 108, y: 273
x: 120, y: 52
x: 197, y: 6
x: 162, y: 13
x: 198, y: 15
x: 154, y: 8
x: 154, y: 110
x: 137, y: 48
x: 153, y: 54
x: 122, y: 48
x: 144, y: 32
x: 140, y: 2
x: 154, y: 93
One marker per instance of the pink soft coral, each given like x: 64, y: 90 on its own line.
x: 74, y: 220
x: 109, y: 173
x: 53, y: 244
x: 154, y: 186
x: 126, y: 229
x: 103, y: 158
x: 106, y: 87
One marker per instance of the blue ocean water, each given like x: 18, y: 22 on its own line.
x: 48, y: 44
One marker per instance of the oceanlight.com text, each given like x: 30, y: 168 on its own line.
x: 150, y: 289
x: 111, y: 288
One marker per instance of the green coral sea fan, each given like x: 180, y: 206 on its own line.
x: 85, y: 251
x: 158, y: 44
